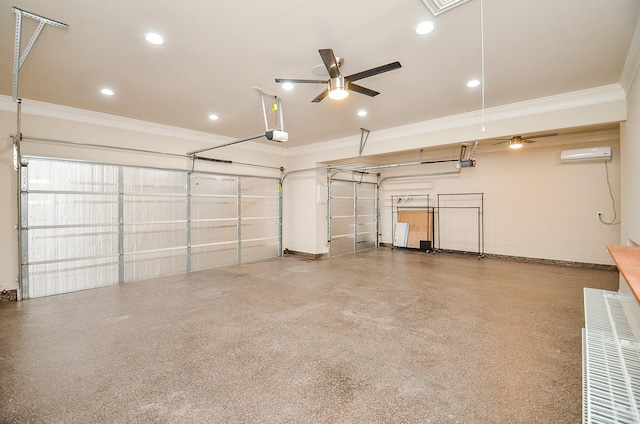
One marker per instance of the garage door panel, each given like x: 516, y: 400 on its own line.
x: 150, y: 181
x: 341, y: 189
x: 260, y: 207
x: 49, y: 209
x: 214, y: 208
x: 214, y: 232
x: 260, y: 228
x: 259, y: 250
x: 58, y: 244
x: 86, y: 225
x: 144, y: 237
x: 353, y: 216
x: 219, y: 185
x: 142, y: 266
x: 212, y: 256
x: 252, y: 186
x: 69, y: 276
x: 342, y: 245
x: 144, y: 209
x: 59, y: 176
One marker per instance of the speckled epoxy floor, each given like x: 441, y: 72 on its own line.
x: 381, y: 336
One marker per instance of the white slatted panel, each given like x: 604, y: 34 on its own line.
x: 611, y: 360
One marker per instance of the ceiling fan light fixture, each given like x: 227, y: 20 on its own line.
x: 515, y: 143
x: 287, y: 86
x: 338, y: 88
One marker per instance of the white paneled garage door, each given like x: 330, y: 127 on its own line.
x: 353, y: 216
x: 87, y: 225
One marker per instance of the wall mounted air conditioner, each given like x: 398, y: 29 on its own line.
x: 591, y: 153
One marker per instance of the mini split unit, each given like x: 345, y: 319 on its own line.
x: 588, y: 154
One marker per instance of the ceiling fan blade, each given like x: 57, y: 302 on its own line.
x: 320, y: 96
x: 300, y: 81
x: 500, y: 142
x: 362, y: 90
x: 330, y: 62
x: 374, y: 71
x: 540, y: 136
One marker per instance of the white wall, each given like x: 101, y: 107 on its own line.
x: 8, y: 206
x: 630, y: 158
x: 534, y: 206
x: 630, y: 148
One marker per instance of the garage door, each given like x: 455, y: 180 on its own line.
x: 87, y: 225
x: 353, y: 216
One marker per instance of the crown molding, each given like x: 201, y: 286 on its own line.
x: 565, y: 101
x: 559, y: 102
x: 50, y: 110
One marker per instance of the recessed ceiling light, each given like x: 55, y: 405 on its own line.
x: 213, y: 117
x: 362, y: 113
x: 287, y: 86
x: 424, y: 28
x: 107, y: 92
x: 154, y: 38
x: 473, y: 83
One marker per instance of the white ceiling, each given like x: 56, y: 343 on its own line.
x: 217, y: 52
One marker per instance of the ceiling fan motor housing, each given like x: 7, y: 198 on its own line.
x: 337, y: 83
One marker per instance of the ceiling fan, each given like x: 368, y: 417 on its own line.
x: 517, y: 141
x: 338, y: 86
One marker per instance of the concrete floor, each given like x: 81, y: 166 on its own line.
x: 381, y: 336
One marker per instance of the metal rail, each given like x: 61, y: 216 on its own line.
x: 231, y: 143
x: 145, y: 151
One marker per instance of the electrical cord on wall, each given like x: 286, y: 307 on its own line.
x: 613, y: 201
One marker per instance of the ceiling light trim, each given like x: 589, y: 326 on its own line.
x: 437, y: 7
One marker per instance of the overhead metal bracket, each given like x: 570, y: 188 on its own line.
x: 276, y: 106
x: 18, y: 60
x: 364, y: 135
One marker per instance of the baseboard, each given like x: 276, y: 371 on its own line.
x: 305, y: 255
x: 552, y: 261
x: 8, y: 295
x: 517, y: 258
